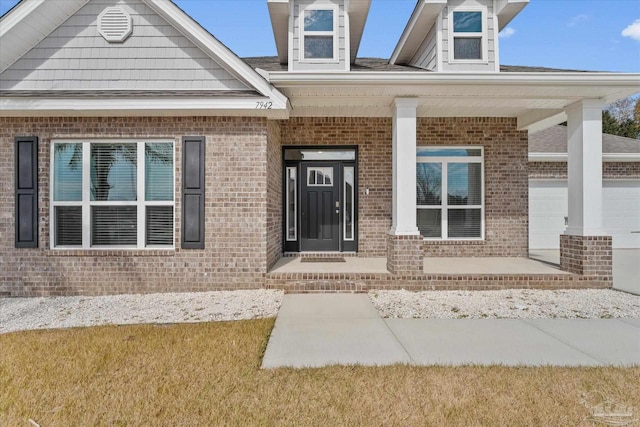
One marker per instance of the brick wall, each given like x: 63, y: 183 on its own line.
x: 506, y: 182
x: 236, y: 202
x: 558, y: 170
x: 373, y: 138
x: 274, y: 193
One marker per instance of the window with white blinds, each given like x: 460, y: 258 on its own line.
x: 107, y: 194
x: 450, y: 193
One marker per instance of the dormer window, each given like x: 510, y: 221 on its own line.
x: 319, y: 41
x: 467, y: 35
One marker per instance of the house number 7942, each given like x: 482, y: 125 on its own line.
x: 261, y: 105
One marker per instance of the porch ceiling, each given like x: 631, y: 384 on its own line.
x: 531, y: 97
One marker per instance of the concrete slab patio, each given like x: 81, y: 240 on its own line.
x: 320, y: 330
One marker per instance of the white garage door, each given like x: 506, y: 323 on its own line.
x: 548, y: 209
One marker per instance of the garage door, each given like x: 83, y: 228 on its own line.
x: 548, y: 209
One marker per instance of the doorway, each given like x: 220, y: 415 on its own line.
x: 320, y: 200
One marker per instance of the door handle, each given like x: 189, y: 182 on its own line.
x: 337, y: 206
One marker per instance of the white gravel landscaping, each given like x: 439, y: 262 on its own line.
x: 507, y: 304
x: 18, y: 314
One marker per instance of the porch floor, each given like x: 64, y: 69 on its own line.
x: 457, y: 266
x: 352, y: 265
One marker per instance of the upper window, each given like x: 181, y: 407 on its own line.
x: 112, y: 194
x: 468, y: 34
x: 450, y: 193
x: 318, y: 34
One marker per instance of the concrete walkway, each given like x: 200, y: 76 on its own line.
x: 345, y: 329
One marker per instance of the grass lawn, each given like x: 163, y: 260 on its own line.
x: 208, y: 374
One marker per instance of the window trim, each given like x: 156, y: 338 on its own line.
x: 484, y: 43
x: 295, y: 205
x: 444, y: 206
x: 334, y: 33
x: 86, y: 203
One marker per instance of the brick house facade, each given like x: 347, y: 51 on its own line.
x: 238, y: 202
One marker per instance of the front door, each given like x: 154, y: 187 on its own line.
x: 320, y: 206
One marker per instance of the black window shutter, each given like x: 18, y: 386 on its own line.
x: 193, y: 171
x: 26, y: 186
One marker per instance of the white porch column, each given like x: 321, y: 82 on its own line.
x: 404, y: 168
x: 585, y: 168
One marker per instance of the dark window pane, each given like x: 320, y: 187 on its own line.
x: 429, y: 184
x: 159, y: 171
x: 68, y: 226
x: 467, y: 48
x: 449, y: 152
x: 114, y: 225
x: 467, y: 22
x: 159, y: 226
x: 318, y: 47
x: 464, y: 223
x: 114, y: 174
x: 430, y: 222
x: 464, y: 184
x: 318, y: 20
x: 67, y: 172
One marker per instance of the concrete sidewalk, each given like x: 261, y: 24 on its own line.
x: 345, y: 329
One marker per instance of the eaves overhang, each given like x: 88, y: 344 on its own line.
x: 115, y: 105
x: 532, y: 98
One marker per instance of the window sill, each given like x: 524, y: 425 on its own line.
x: 111, y: 252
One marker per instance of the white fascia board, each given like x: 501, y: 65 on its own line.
x: 422, y: 19
x: 213, y: 47
x: 625, y: 81
x: 17, y: 14
x: 258, y: 106
x: 357, y: 13
x: 279, y: 14
x: 563, y: 157
x: 508, y: 9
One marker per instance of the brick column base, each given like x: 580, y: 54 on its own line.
x: 588, y: 256
x: 404, y: 255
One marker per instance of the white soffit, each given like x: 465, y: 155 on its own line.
x: 423, y: 18
x: 507, y: 10
x: 28, y: 23
x: 535, y: 99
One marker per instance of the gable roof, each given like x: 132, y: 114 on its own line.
x: 28, y: 24
x: 551, y: 145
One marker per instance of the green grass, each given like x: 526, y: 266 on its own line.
x: 208, y: 374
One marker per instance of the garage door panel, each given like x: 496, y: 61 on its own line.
x: 548, y: 206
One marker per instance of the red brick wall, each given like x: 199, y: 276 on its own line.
x: 236, y: 202
x: 373, y: 138
x: 506, y: 182
x: 558, y: 170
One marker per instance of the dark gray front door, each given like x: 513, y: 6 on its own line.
x: 320, y: 206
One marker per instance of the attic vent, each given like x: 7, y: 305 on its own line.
x: 114, y: 24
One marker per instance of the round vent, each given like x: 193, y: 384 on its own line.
x: 114, y: 24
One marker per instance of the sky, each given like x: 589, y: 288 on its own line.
x: 594, y: 35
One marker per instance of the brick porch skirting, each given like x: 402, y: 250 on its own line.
x: 361, y: 282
